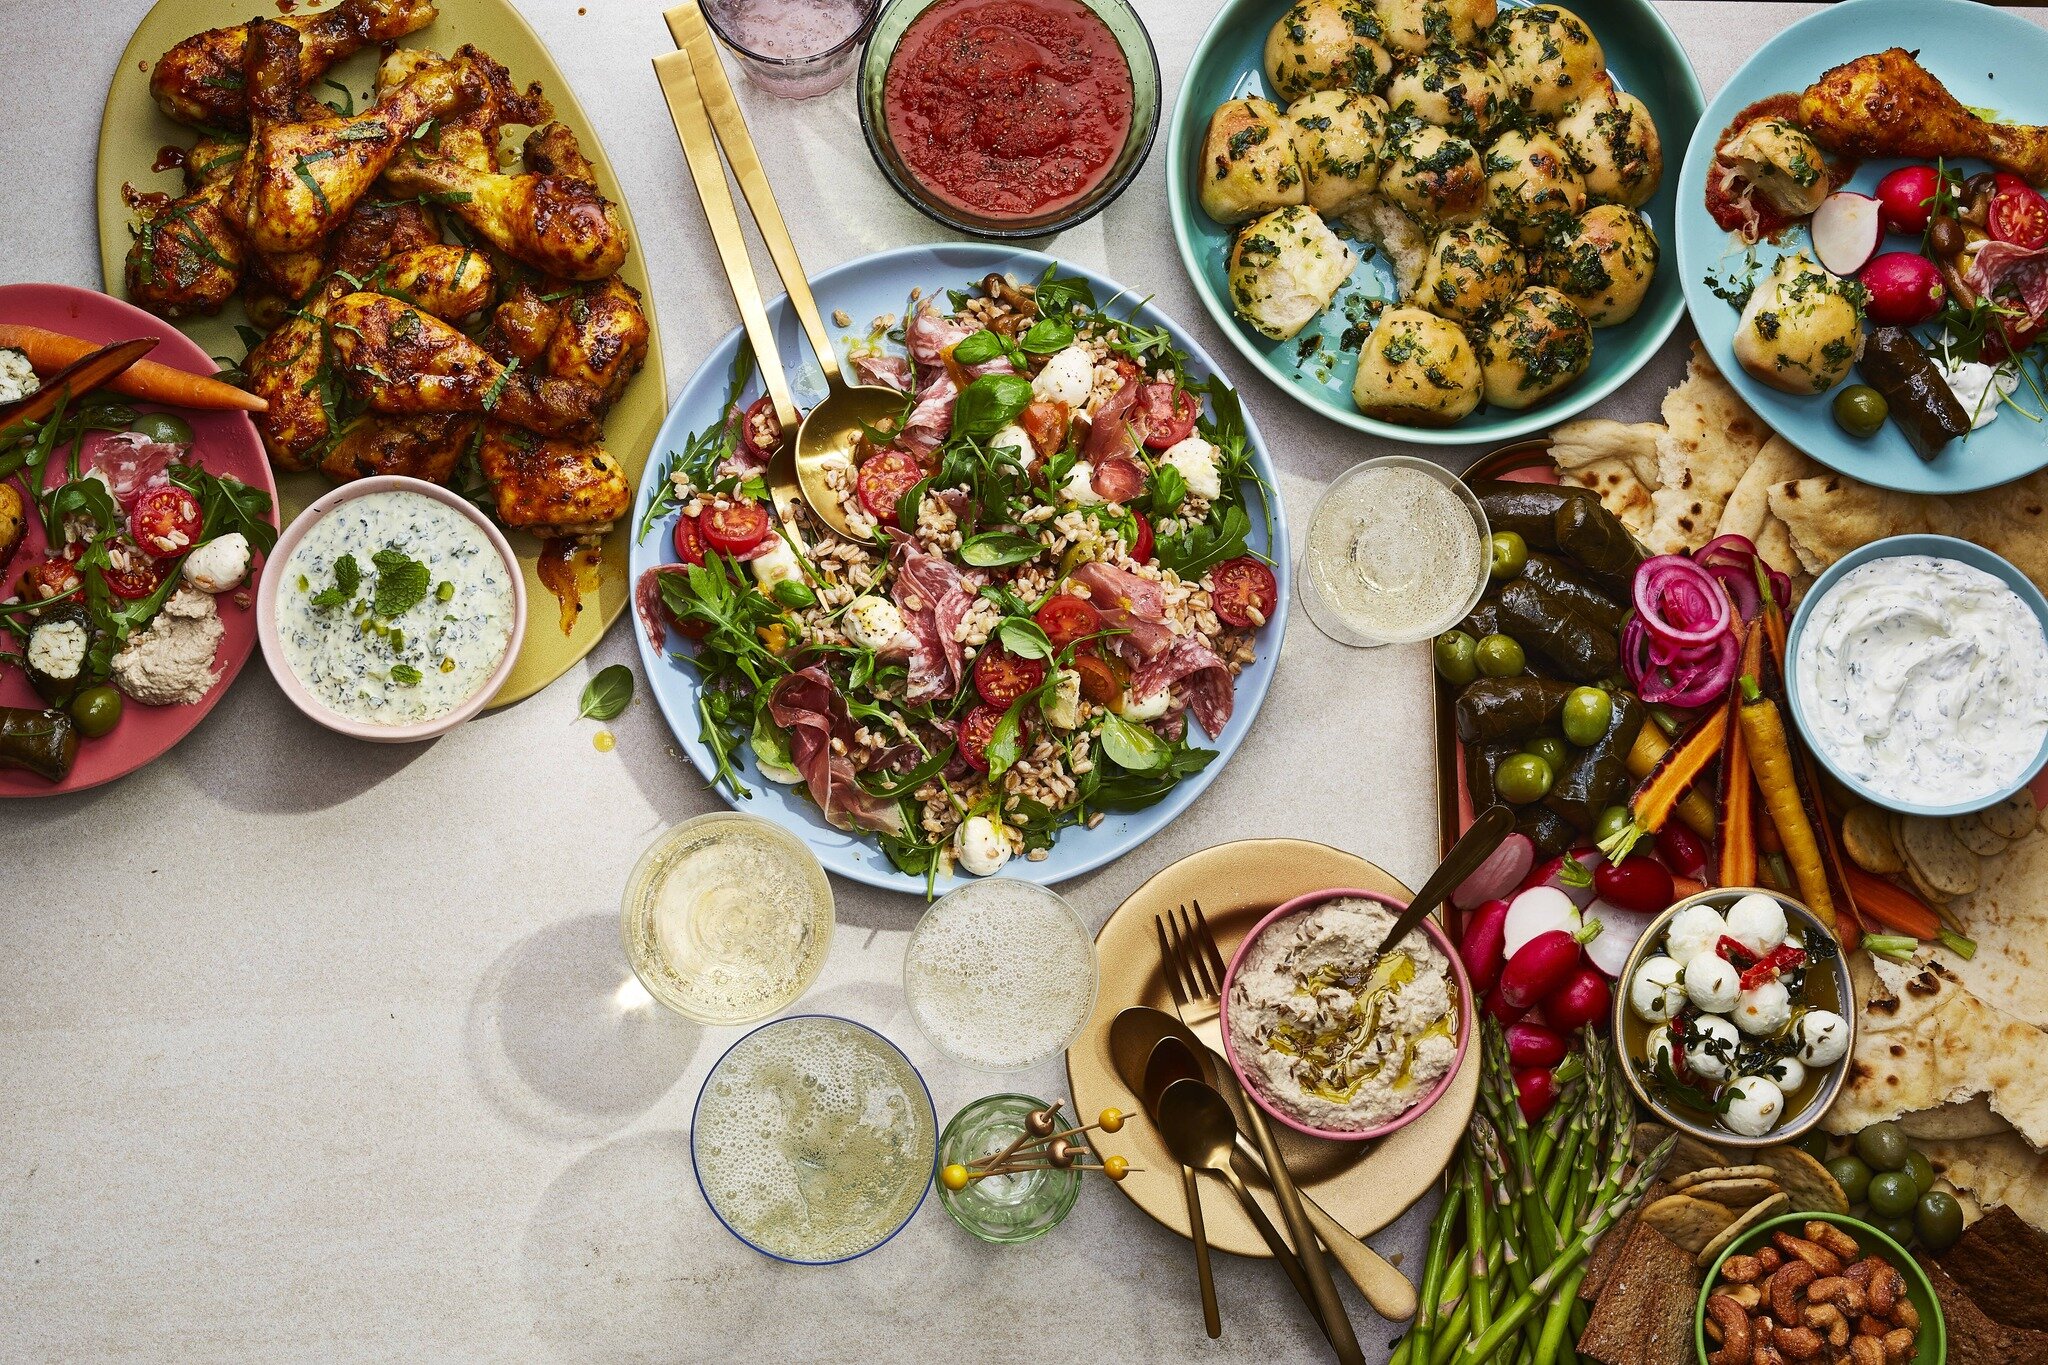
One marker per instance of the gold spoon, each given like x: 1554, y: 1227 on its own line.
x: 1171, y: 1061
x: 827, y: 434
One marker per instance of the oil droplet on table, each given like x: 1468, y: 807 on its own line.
x: 603, y: 741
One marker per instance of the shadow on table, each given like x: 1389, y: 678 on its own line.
x: 257, y: 753
x: 564, y: 1040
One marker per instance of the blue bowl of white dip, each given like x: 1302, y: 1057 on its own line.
x: 413, y: 640
x: 1917, y: 671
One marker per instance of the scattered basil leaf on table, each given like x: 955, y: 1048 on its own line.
x: 607, y: 694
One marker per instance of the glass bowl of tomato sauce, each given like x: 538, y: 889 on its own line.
x: 1009, y: 118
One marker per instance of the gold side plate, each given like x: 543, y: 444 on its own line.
x: 1365, y: 1186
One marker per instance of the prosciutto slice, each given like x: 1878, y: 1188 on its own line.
x: 648, y: 606
x: 1134, y: 605
x: 1199, y: 675
x: 931, y: 421
x: 934, y: 599
x: 130, y: 462
x: 930, y: 334
x: 889, y: 371
x: 1112, y: 430
x: 805, y: 705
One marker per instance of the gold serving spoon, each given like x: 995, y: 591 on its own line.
x: 707, y: 117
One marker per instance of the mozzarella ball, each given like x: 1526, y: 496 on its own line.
x: 1694, y: 930
x: 1337, y: 137
x: 1801, y: 330
x: 1603, y: 262
x: 874, y: 623
x: 1149, y: 707
x: 1550, y: 57
x: 1433, y: 174
x: 1532, y: 188
x: 1079, y: 489
x: 1614, y: 143
x: 1756, y: 1106
x: 1068, y: 377
x: 1782, y: 162
x: 1195, y: 458
x: 1657, y: 990
x: 1540, y: 344
x: 1661, y: 1048
x: 1284, y: 270
x: 778, y: 565
x: 1764, y: 1009
x: 1712, y: 984
x: 1459, y: 90
x: 1474, y: 269
x: 219, y: 565
x: 1416, y: 369
x: 1326, y: 45
x: 1710, y: 1047
x: 1757, y: 922
x: 980, y: 847
x: 1823, y: 1037
x: 1787, y: 1073
x: 1014, y: 438
x: 1249, y: 164
x: 1416, y: 26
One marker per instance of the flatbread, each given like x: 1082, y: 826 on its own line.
x: 1688, y: 1155
x: 1753, y: 1172
x: 1968, y: 1119
x: 1828, y: 515
x: 2007, y: 916
x: 1748, y: 510
x: 1730, y: 1235
x: 1997, y: 1172
x: 1936, y: 858
x: 1690, y: 1222
x: 1710, y: 440
x: 1616, y: 461
x: 1805, y: 1181
x: 2013, y: 818
x: 1867, y: 836
x: 1738, y: 1193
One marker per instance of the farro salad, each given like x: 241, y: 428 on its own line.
x: 1050, y: 573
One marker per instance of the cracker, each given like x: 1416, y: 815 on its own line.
x: 1934, y: 897
x: 1690, y: 1154
x: 1738, y: 1193
x: 1867, y: 835
x: 1700, y: 1177
x: 2014, y: 817
x: 1936, y: 858
x: 1806, y: 1183
x: 1972, y: 833
x: 1728, y: 1236
x: 1690, y: 1222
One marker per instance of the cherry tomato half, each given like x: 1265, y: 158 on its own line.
x: 689, y: 540
x: 1169, y: 414
x: 1142, y: 551
x: 1102, y: 680
x: 47, y: 579
x: 975, y: 733
x: 136, y: 582
x: 1065, y: 618
x: 736, y: 527
x: 760, y: 428
x: 1243, y: 586
x: 2018, y: 215
x: 166, y: 521
x: 1001, y: 677
x: 883, y: 481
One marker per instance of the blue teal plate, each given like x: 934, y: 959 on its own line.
x: 869, y: 288
x: 1989, y: 60
x: 1645, y: 60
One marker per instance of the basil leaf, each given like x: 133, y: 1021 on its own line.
x: 1024, y: 638
x: 1169, y: 490
x: 770, y: 742
x: 911, y: 504
x: 1004, y: 742
x: 606, y: 695
x: 792, y: 592
x: 978, y: 348
x: 991, y: 403
x: 998, y: 549
x: 1132, y: 747
x: 1048, y: 335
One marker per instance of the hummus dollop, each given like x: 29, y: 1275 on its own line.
x: 171, y: 663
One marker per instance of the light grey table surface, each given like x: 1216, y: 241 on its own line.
x: 312, y: 1049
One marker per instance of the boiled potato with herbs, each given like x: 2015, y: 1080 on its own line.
x: 1473, y: 270
x: 1537, y: 346
x: 1549, y: 55
x: 1284, y: 270
x: 1326, y: 45
x: 1434, y: 174
x: 1249, y: 162
x: 1801, y: 330
x: 1532, y: 188
x: 1337, y: 136
x: 1782, y: 162
x: 1614, y: 143
x: 13, y: 521
x: 1603, y: 262
x: 1416, y: 26
x: 1416, y: 369
x: 1462, y: 91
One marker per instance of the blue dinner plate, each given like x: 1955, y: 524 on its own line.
x: 865, y: 289
x: 1988, y: 60
x: 1645, y: 60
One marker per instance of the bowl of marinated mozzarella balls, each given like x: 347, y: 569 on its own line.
x: 1737, y: 1017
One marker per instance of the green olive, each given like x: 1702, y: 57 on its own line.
x: 1587, y: 714
x: 1510, y: 554
x: 162, y: 426
x: 97, y: 710
x: 1899, y: 1229
x: 1892, y: 1194
x: 1500, y: 656
x: 1860, y: 410
x: 1921, y: 1169
x: 1612, y: 821
x: 1551, y: 750
x: 1938, y: 1218
x: 1815, y: 1144
x: 1454, y: 649
x: 1852, y: 1173
x: 1523, y: 778
x: 1884, y: 1146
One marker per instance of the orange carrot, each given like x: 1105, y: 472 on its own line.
x: 51, y: 351
x: 1892, y: 905
x: 1737, y: 862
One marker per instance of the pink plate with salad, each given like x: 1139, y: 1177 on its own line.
x: 158, y: 517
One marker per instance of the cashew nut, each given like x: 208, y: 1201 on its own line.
x: 1825, y: 1317
x: 1905, y: 1315
x: 1798, y: 1343
x: 1834, y: 1239
x: 1748, y: 1295
x: 1785, y: 1288
x: 1866, y: 1351
x: 1839, y: 1290
x: 1887, y: 1287
x: 1898, y: 1345
x: 1823, y: 1261
x: 1770, y: 1258
x: 1859, y: 1273
x: 1736, y: 1338
x: 1742, y: 1270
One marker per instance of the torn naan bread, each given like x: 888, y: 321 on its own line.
x: 1617, y: 461
x: 1994, y: 1171
x: 1830, y: 515
x: 1748, y: 510
x: 1711, y: 438
x: 2007, y: 917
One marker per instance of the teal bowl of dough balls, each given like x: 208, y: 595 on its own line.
x: 1443, y: 221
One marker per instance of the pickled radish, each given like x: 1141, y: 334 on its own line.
x: 1846, y: 230
x: 1539, y: 910
x: 1499, y: 875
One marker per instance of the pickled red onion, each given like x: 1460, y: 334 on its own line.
x: 1733, y: 560
x: 1679, y: 602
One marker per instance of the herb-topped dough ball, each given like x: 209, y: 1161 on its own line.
x: 1337, y: 136
x: 1459, y: 90
x: 1802, y: 329
x: 1249, y: 163
x: 1284, y: 269
x: 1416, y: 369
x: 1473, y: 270
x: 1603, y: 263
x: 1532, y: 188
x: 1434, y: 174
x: 1548, y: 54
x: 1782, y: 162
x: 1326, y: 45
x: 1416, y: 26
x: 1614, y: 143
x: 1539, y: 345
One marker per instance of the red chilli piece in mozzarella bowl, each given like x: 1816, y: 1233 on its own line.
x: 1049, y: 575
